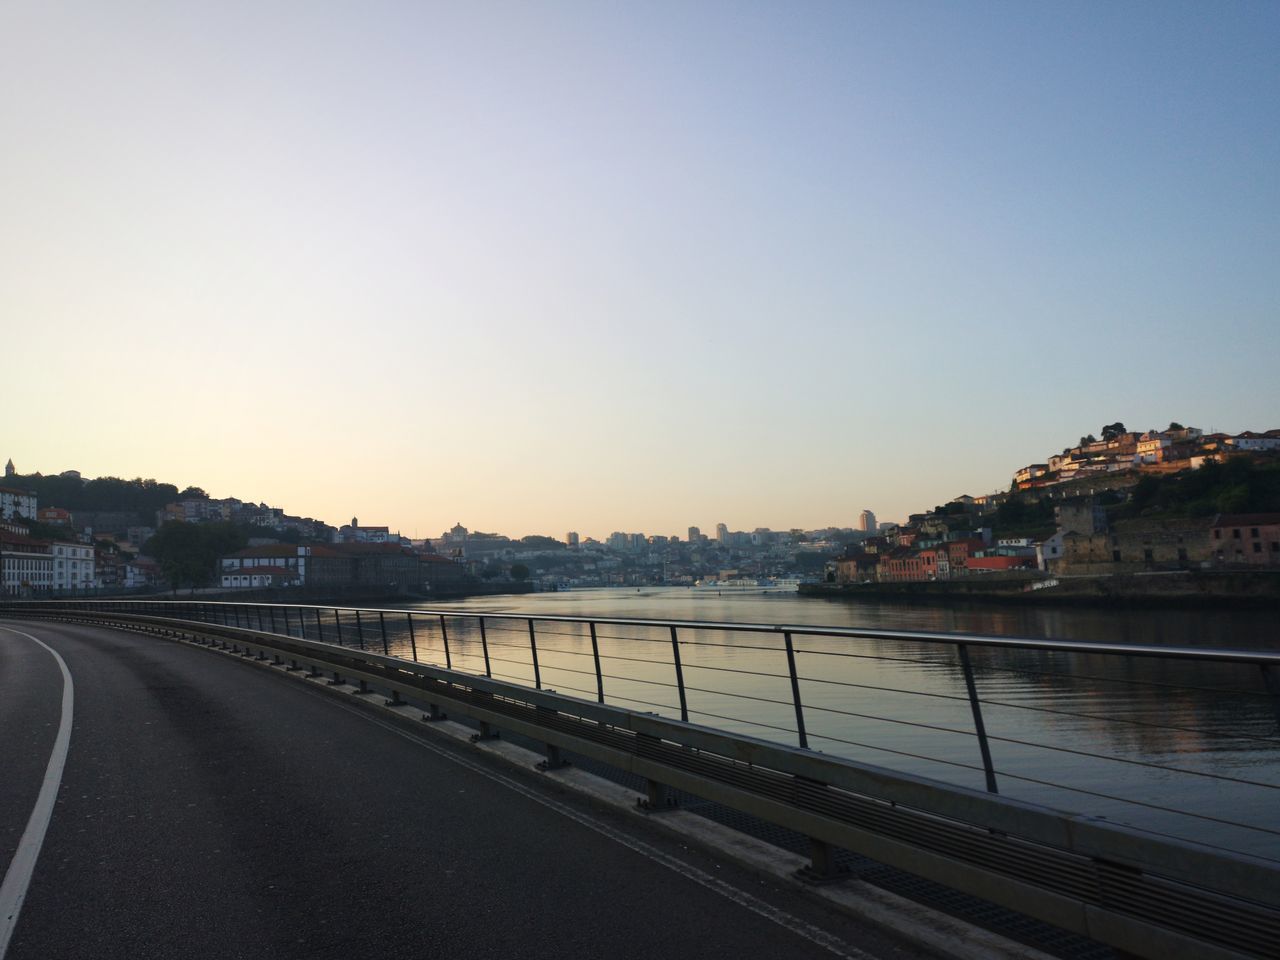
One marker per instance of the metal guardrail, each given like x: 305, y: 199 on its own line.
x: 1147, y: 894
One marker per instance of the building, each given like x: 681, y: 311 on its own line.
x: 722, y: 533
x: 273, y: 565
x: 26, y: 565
x: 9, y: 469
x: 354, y: 533
x: 571, y: 538
x: 1080, y: 515
x: 1134, y: 546
x: 73, y: 566
x: 17, y: 503
x: 1246, y: 539
x: 867, y: 522
x: 54, y: 516
x: 694, y: 534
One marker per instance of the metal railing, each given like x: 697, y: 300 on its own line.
x: 630, y: 706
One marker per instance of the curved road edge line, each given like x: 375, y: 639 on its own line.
x: 18, y: 877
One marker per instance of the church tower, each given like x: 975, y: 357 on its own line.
x: 9, y: 468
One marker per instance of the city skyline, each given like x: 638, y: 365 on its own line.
x: 571, y: 267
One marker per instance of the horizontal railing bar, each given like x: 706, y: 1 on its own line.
x: 927, y: 637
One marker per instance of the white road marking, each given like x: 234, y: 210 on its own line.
x: 801, y: 928
x: 18, y: 877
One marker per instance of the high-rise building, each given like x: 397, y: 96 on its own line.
x: 722, y: 532
x: 694, y: 535
x: 867, y: 522
x: 571, y: 538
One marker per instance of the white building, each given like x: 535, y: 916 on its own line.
x: 73, y: 566
x: 26, y: 565
x: 21, y: 503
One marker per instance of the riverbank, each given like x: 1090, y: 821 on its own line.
x: 1182, y: 588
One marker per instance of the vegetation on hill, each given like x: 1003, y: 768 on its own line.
x: 105, y: 494
x: 188, y: 552
x: 1240, y: 485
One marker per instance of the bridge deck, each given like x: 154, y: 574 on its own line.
x: 211, y: 811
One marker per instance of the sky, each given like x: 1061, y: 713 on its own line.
x: 540, y: 267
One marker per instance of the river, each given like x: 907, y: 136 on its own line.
x: 1139, y: 741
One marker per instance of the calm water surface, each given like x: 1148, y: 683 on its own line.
x: 1139, y: 741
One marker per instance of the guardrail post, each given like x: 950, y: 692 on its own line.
x: 795, y: 691
x: 484, y: 646
x: 413, y: 639
x: 533, y: 647
x: 274, y: 629
x: 258, y: 611
x: 288, y: 630
x: 595, y: 655
x: 319, y: 626
x: 978, y: 725
x: 302, y: 624
x: 337, y: 622
x: 382, y: 624
x: 359, y: 630
x: 675, y: 654
x: 444, y: 634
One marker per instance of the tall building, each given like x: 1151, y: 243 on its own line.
x: 722, y: 532
x: 9, y: 468
x: 867, y: 522
x: 571, y: 538
x: 694, y: 534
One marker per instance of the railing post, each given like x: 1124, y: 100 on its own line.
x: 533, y: 647
x: 675, y: 654
x: 319, y: 626
x: 382, y: 623
x: 413, y: 639
x: 978, y: 725
x: 302, y: 624
x: 444, y: 633
x: 337, y: 622
x: 258, y: 611
x: 484, y: 646
x: 272, y: 610
x: 595, y: 655
x: 795, y: 690
x: 359, y: 630
x: 285, y: 613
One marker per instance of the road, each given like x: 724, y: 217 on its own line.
x: 210, y: 809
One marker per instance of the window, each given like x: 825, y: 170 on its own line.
x: 1147, y: 555
x: 1253, y: 532
x: 1257, y: 547
x: 1235, y: 534
x: 1115, y: 556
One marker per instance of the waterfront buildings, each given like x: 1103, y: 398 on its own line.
x: 73, y: 566
x: 17, y: 504
x: 26, y: 564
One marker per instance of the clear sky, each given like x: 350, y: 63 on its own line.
x: 604, y: 266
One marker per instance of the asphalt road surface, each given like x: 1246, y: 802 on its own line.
x: 208, y: 809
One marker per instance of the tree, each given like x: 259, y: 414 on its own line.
x: 1113, y: 431
x: 1086, y: 440
x: 519, y: 571
x: 1175, y: 425
x: 188, y: 552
